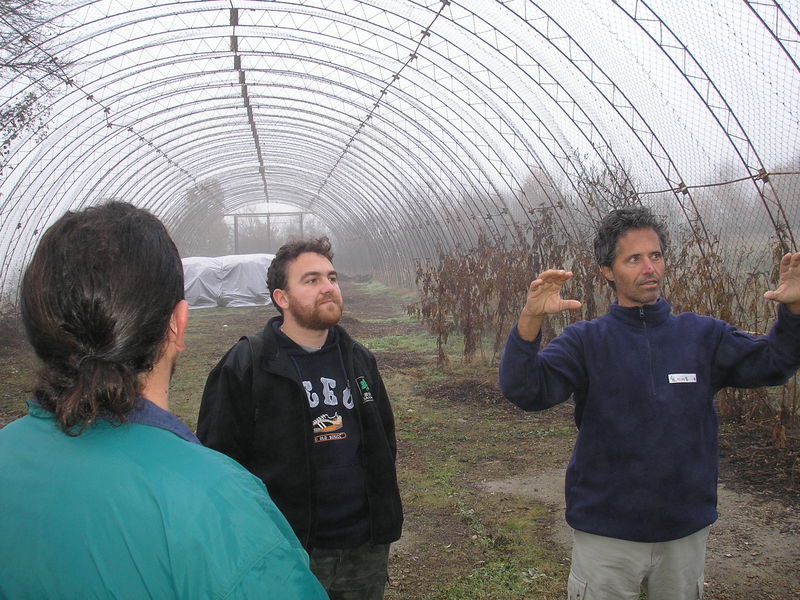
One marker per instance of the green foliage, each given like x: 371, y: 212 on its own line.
x: 376, y: 288
x: 412, y: 342
x: 496, y: 579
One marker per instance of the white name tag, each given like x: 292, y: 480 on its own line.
x: 682, y: 378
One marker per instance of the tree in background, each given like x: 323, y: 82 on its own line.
x: 30, y: 66
x: 202, y: 230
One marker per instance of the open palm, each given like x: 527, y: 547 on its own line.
x: 788, y: 290
x: 544, y: 294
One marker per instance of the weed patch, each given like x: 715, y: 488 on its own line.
x: 12, y: 335
x: 419, y: 342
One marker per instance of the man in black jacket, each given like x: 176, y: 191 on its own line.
x: 302, y: 405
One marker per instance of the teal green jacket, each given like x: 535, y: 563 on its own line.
x: 135, y: 511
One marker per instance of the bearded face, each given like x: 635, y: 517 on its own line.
x: 320, y: 313
x: 312, y: 298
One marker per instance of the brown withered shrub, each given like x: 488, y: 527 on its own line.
x: 479, y: 291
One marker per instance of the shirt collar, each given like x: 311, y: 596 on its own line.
x: 145, y: 413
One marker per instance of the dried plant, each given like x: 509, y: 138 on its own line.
x: 478, y: 291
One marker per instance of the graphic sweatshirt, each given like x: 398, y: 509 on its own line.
x: 343, y: 517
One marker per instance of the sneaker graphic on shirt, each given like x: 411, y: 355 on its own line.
x: 327, y: 424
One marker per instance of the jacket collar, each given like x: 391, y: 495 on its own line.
x: 275, y: 360
x: 649, y: 314
x: 148, y: 413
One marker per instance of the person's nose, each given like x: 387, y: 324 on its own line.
x: 649, y: 267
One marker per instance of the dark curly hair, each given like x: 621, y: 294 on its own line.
x: 276, y: 274
x: 619, y: 222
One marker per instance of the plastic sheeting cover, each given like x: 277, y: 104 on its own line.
x: 233, y: 280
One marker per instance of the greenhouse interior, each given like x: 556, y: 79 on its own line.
x: 450, y: 150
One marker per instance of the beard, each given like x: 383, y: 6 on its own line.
x: 320, y: 316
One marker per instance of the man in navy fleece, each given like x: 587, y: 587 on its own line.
x: 641, y: 486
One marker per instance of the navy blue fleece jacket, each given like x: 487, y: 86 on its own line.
x: 644, y: 467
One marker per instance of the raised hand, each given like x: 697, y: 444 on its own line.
x: 544, y: 294
x: 788, y: 290
x: 544, y: 298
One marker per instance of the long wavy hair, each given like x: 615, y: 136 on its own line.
x: 96, y: 302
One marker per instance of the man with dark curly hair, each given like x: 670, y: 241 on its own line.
x: 641, y: 486
x: 303, y: 406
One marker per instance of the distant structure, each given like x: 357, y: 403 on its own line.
x: 233, y: 280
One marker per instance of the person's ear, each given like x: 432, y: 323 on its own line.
x: 280, y: 299
x: 607, y: 273
x: 177, y: 325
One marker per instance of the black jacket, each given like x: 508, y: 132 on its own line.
x: 260, y: 418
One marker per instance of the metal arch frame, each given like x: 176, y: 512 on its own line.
x: 427, y: 153
x: 112, y: 194
x: 463, y: 157
x: 393, y: 109
x: 178, y: 91
x: 362, y: 209
x: 430, y: 180
x: 718, y: 106
x: 228, y: 203
x: 585, y: 126
x: 440, y: 121
x: 781, y: 16
x: 339, y: 49
x: 678, y: 187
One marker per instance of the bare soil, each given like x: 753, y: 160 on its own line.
x: 753, y: 549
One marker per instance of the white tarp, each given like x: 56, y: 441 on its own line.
x: 234, y: 280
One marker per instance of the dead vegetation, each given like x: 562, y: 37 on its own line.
x: 477, y: 292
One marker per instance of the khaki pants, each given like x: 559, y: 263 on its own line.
x: 606, y: 568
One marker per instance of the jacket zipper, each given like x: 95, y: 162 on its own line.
x: 649, y: 353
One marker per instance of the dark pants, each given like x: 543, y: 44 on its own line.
x: 352, y: 573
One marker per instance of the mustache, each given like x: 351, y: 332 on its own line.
x: 329, y: 297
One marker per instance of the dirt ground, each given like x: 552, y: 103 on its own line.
x: 753, y: 550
